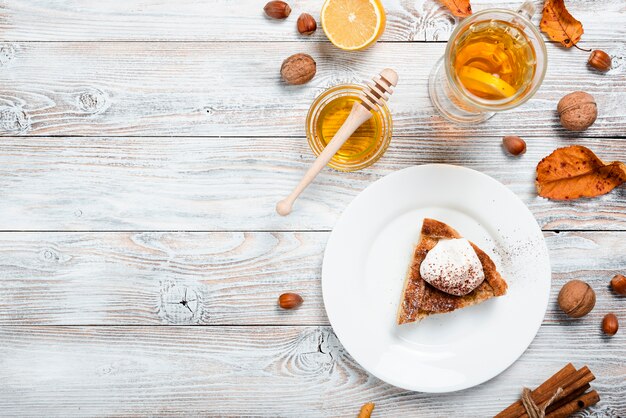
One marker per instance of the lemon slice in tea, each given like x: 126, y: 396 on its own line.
x: 353, y: 24
x: 484, y: 84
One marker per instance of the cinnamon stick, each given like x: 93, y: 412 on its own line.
x: 583, y: 401
x: 548, y: 387
x: 569, y: 384
x: 563, y: 400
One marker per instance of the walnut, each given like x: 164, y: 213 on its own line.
x: 578, y: 111
x: 576, y: 298
x: 298, y: 69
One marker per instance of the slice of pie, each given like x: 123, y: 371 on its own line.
x: 420, y: 299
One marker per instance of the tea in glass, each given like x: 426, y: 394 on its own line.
x: 495, y: 60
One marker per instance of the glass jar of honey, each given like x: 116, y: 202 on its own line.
x: 366, y: 145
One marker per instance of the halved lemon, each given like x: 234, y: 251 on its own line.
x: 479, y: 81
x: 353, y: 24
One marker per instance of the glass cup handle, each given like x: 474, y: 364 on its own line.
x: 527, y: 9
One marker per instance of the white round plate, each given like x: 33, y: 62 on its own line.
x: 366, y: 261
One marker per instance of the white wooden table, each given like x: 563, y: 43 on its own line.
x: 145, y: 143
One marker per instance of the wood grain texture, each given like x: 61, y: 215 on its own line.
x: 217, y: 184
x: 260, y: 371
x: 178, y: 89
x: 122, y: 117
x: 226, y: 20
x: 227, y: 278
x: 142, y: 278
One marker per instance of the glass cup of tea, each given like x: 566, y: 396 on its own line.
x: 495, y: 60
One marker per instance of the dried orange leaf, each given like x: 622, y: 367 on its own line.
x: 459, y: 8
x: 559, y: 25
x: 573, y: 172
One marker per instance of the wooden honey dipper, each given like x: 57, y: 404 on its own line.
x: 375, y: 95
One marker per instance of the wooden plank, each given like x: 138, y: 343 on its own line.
x: 211, y: 184
x: 224, y: 20
x: 178, y: 89
x: 227, y: 278
x: 259, y: 371
x: 142, y: 278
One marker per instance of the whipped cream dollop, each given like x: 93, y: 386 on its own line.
x: 452, y: 266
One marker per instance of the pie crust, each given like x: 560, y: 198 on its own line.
x: 420, y: 299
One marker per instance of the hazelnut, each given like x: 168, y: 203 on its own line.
x: 289, y: 300
x: 576, y: 298
x: 514, y: 145
x: 298, y: 69
x: 306, y: 24
x: 277, y: 9
x: 578, y: 111
x: 600, y: 60
x: 610, y: 324
x: 618, y: 284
